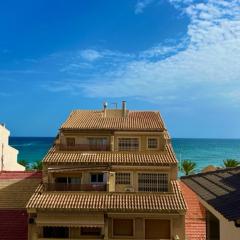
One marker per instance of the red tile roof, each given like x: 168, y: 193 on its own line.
x: 20, y: 174
x: 13, y: 224
x: 115, y: 158
x: 16, y: 188
x: 94, y: 119
x: 107, y: 201
x: 195, y: 221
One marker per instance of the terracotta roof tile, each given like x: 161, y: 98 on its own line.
x: 16, y: 188
x: 106, y: 201
x: 195, y: 218
x: 20, y: 174
x: 164, y: 158
x: 94, y: 119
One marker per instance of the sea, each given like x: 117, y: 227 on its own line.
x: 202, y: 151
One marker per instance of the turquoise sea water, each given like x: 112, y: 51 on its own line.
x: 202, y: 151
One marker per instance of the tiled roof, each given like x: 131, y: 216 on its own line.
x: 118, y: 158
x: 16, y: 188
x: 20, y: 174
x: 220, y: 189
x: 94, y: 119
x: 13, y: 224
x: 195, y: 218
x: 106, y: 201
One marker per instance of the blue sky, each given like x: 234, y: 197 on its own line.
x: 181, y: 57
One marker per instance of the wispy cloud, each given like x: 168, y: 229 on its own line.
x: 200, y: 67
x: 141, y: 5
x: 90, y: 55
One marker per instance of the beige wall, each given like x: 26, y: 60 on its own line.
x: 228, y: 230
x: 112, y: 138
x: 176, y: 221
x: 8, y: 153
x: 54, y: 218
x: 109, y: 177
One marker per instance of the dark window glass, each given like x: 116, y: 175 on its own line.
x: 100, y: 177
x: 94, y: 178
x: 97, y: 177
x: 55, y: 232
x: 91, y: 231
x: 61, y: 180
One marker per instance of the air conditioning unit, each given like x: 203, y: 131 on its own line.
x: 129, y: 189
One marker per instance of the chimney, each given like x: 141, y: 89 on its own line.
x: 124, y: 110
x: 105, y: 109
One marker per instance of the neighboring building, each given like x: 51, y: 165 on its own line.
x: 111, y: 174
x: 195, y: 219
x: 16, y: 188
x: 8, y: 154
x: 219, y: 192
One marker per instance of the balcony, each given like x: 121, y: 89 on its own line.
x: 75, y: 187
x: 84, y: 147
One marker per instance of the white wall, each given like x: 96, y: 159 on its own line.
x: 228, y: 230
x: 8, y: 153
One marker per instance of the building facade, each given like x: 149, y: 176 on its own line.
x: 111, y: 174
x: 8, y: 154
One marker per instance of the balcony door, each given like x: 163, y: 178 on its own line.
x: 68, y: 183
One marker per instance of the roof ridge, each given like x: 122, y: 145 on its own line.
x: 212, y: 172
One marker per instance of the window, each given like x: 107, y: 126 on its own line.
x: 91, y: 231
x: 128, y: 144
x: 55, y: 232
x: 97, y: 177
x: 152, y: 182
x: 122, y: 178
x: 152, y: 143
x: 70, y: 141
x: 68, y: 180
x: 123, y: 227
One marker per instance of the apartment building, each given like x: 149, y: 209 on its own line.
x: 110, y: 174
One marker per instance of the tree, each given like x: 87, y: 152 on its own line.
x: 231, y: 163
x: 37, y: 165
x: 24, y: 163
x: 188, y: 167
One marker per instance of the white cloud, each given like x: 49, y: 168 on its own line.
x: 90, y: 55
x: 141, y: 5
x: 202, y: 67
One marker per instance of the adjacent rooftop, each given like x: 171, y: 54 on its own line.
x: 220, y: 189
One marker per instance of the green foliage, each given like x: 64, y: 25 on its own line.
x: 188, y: 167
x: 37, y: 165
x: 24, y: 163
x: 231, y: 163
